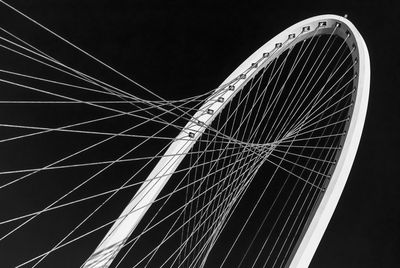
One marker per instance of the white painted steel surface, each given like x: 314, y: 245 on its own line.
x: 150, y: 189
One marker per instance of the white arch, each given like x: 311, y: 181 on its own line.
x: 148, y: 192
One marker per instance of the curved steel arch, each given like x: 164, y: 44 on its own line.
x: 319, y: 219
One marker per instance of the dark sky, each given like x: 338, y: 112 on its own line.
x: 179, y: 49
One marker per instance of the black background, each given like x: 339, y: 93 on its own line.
x: 179, y: 49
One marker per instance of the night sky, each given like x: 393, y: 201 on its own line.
x: 178, y: 50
